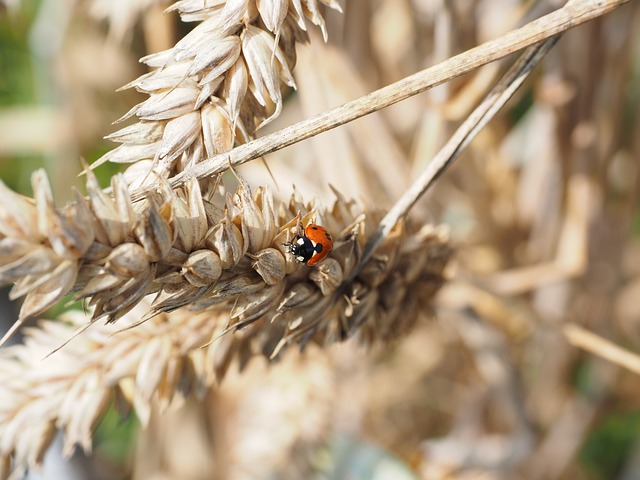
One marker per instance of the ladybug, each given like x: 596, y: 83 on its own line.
x: 312, y: 247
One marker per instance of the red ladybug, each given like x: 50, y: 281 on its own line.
x: 312, y: 247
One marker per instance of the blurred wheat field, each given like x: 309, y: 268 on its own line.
x: 526, y: 367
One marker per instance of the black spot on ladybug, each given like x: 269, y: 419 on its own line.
x: 328, y: 236
x: 314, y: 228
x: 318, y: 247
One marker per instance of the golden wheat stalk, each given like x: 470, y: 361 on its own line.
x: 572, y: 14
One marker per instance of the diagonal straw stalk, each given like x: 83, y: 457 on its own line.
x: 574, y: 13
x: 492, y: 103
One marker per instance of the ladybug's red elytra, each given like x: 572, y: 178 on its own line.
x: 312, y: 247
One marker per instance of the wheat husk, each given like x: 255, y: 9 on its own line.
x: 160, y: 265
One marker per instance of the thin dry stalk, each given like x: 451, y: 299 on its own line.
x: 492, y: 103
x: 571, y: 15
x: 582, y: 338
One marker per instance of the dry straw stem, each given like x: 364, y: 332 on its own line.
x: 589, y: 341
x: 574, y: 13
x: 492, y: 103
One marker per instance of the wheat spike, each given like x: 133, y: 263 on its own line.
x: 149, y: 265
x: 215, y: 87
x: 200, y: 249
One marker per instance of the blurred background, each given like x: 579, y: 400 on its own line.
x: 542, y: 208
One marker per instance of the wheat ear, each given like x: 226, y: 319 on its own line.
x: 216, y: 86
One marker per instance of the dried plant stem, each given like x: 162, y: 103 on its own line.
x: 492, y: 103
x: 589, y: 341
x: 572, y: 14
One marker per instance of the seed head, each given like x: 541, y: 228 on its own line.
x: 216, y: 86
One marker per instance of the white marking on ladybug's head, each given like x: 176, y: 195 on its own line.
x: 300, y: 258
x: 300, y: 241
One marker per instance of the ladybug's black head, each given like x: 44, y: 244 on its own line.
x: 301, y: 248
